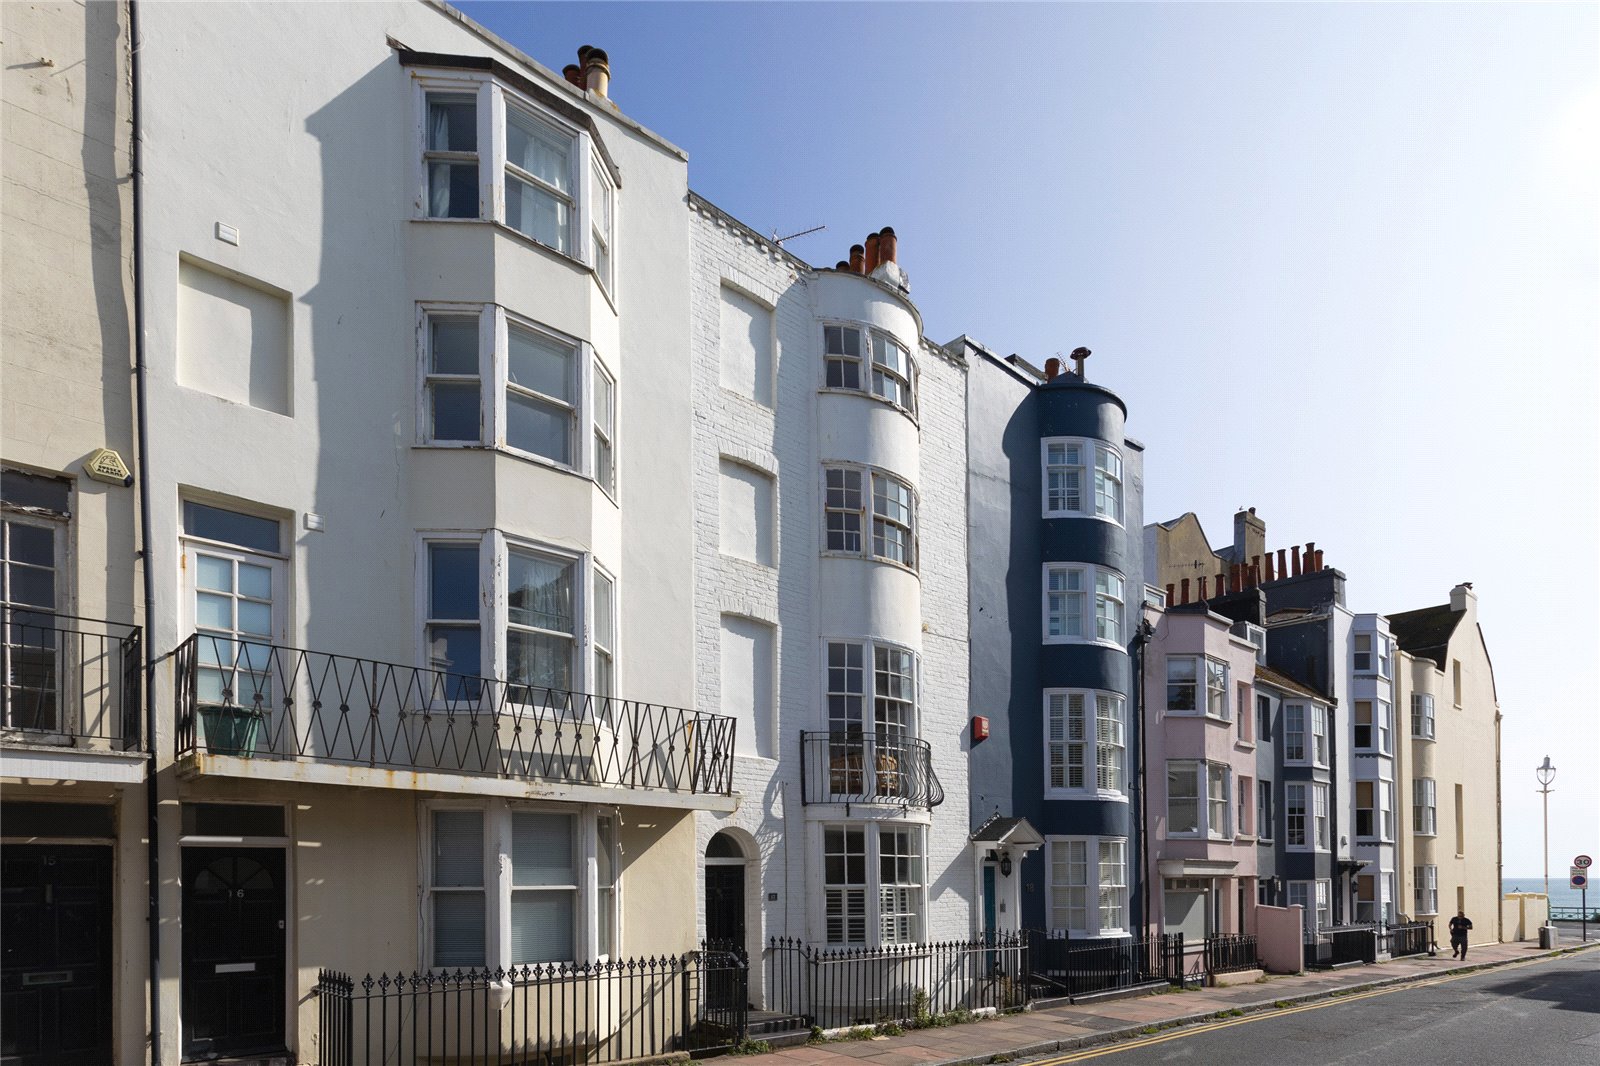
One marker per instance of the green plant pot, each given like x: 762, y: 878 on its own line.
x: 230, y: 730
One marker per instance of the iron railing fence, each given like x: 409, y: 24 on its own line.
x: 855, y: 767
x: 592, y: 1013
x: 838, y: 988
x: 1231, y: 953
x: 242, y: 698
x: 70, y: 680
x: 1341, y: 944
x: 1061, y: 965
x: 1406, y: 938
x: 1573, y: 914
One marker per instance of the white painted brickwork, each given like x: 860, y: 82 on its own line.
x: 781, y: 441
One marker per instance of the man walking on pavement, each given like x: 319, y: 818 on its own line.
x: 1460, y: 925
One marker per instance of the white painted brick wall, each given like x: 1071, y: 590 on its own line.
x: 780, y: 442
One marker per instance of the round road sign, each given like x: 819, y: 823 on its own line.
x: 1583, y: 862
x: 1580, y: 880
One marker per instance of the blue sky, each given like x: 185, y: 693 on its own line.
x: 1341, y: 260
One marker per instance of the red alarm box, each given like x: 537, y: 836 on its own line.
x: 980, y: 727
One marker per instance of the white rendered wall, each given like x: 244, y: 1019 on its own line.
x: 809, y: 597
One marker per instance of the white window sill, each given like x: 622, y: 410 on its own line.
x: 1244, y: 745
x: 514, y: 453
x: 1102, y: 795
x: 829, y: 554
x: 1265, y: 842
x: 501, y: 227
x: 874, y: 397
x: 1083, y: 514
x: 1096, y: 642
x: 1244, y: 838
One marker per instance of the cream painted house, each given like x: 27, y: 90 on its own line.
x: 1449, y: 858
x: 72, y: 726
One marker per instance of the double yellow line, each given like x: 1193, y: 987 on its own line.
x: 1183, y: 1031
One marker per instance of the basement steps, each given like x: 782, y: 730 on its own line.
x: 779, y: 1029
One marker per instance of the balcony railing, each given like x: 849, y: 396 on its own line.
x: 853, y: 767
x: 265, y: 701
x: 71, y: 681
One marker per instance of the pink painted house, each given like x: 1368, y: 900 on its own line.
x: 1200, y: 810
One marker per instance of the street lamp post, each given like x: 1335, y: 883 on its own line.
x: 1547, y: 774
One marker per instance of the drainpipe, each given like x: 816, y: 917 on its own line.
x: 1140, y: 640
x: 1499, y: 841
x: 142, y: 462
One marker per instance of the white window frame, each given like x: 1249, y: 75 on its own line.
x: 1296, y: 748
x: 1374, y: 812
x: 602, y: 237
x: 499, y: 877
x: 586, y: 167
x: 1219, y: 801
x: 1425, y: 889
x: 868, y: 367
x: 867, y: 515
x: 1425, y: 806
x: 1070, y: 449
x: 1371, y: 724
x: 1361, y: 657
x: 1385, y: 724
x: 1095, y: 893
x: 1213, y: 786
x: 1387, y: 815
x: 494, y: 385
x: 1319, y: 736
x: 1422, y: 716
x: 1321, y: 820
x: 1092, y: 609
x: 1264, y: 812
x: 1096, y: 737
x: 877, y: 910
x: 277, y: 563
x: 1100, y: 473
x: 1297, y: 804
x: 1194, y: 770
x: 494, y: 549
x: 869, y: 695
x: 603, y: 418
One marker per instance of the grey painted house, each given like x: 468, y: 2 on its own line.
x: 1056, y: 578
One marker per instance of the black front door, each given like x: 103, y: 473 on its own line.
x: 233, y: 951
x: 725, y: 905
x: 55, y: 940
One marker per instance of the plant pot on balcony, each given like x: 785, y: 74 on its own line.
x: 230, y: 730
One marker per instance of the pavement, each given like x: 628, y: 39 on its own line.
x: 1066, y: 1028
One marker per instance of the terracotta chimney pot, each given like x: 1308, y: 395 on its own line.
x: 1052, y: 368
x: 1185, y: 590
x: 1172, y: 594
x: 1283, y: 563
x: 872, y: 252
x: 888, y: 245
x: 574, y: 74
x: 596, y: 70
x: 858, y: 258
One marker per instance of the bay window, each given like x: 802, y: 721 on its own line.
x: 865, y: 756
x: 1066, y: 603
x: 526, y: 626
x: 1424, y: 806
x: 1183, y: 684
x: 542, y: 378
x: 1075, y: 763
x: 1363, y: 653
x: 1294, y: 732
x: 1319, y: 736
x: 1319, y: 797
x: 1264, y: 821
x: 893, y: 515
x: 1366, y: 810
x: 1218, y: 809
x: 861, y: 359
x: 511, y: 884
x: 1088, y: 885
x: 1217, y: 689
x: 1385, y: 725
x: 1065, y: 462
x: 1187, y: 815
x: 1294, y: 811
x: 490, y: 153
x: 873, y: 884
x: 1425, y: 887
x: 1422, y: 715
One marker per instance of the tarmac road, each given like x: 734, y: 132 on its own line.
x: 1528, y: 1014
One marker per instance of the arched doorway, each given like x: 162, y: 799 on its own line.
x: 725, y: 892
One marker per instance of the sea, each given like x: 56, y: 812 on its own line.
x: 1561, y: 893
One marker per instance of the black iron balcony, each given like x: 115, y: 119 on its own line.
x: 70, y: 681
x: 268, y: 702
x: 855, y: 767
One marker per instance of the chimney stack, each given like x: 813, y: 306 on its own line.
x: 596, y: 69
x: 888, y: 245
x: 1052, y: 368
